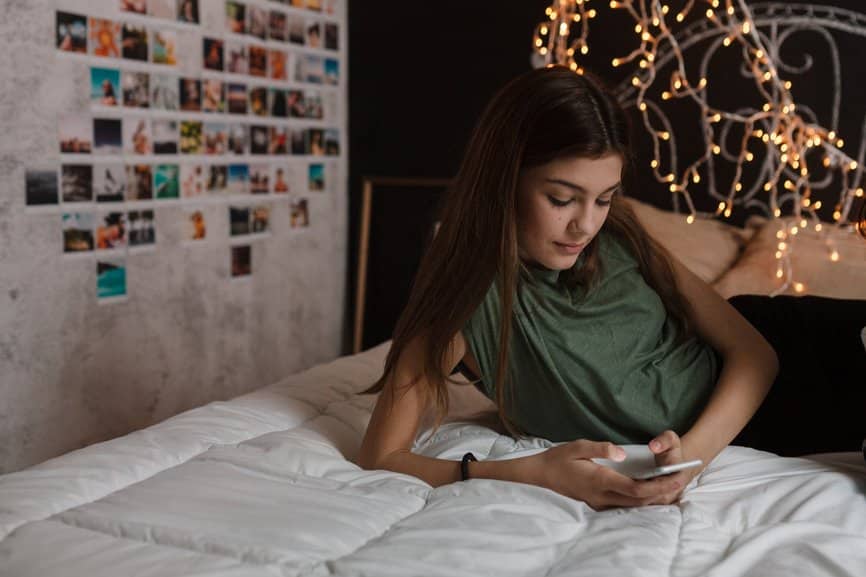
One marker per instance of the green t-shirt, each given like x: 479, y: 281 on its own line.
x: 600, y: 366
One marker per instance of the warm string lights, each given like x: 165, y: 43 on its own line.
x: 789, y: 143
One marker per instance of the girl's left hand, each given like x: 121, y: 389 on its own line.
x: 668, y: 450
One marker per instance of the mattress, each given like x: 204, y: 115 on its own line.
x: 266, y: 484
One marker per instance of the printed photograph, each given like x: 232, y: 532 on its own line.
x: 296, y: 103
x: 258, y: 61
x: 236, y: 98
x: 111, y: 278
x: 75, y: 134
x: 164, y: 47
x: 162, y: 9
x: 217, y: 178
x: 314, y: 34
x: 139, y: 182
x: 309, y: 68
x: 236, y: 58
x: 134, y: 6
x: 239, y: 179
x: 259, y: 101
x: 297, y: 29
x: 314, y: 5
x: 104, y: 87
x: 238, y: 139
x: 279, y: 179
x: 142, y: 228
x: 192, y: 180
x: 299, y: 3
x: 332, y: 71
x: 277, y: 104
x: 236, y: 17
x: 278, y: 64
x: 330, y: 105
x: 316, y: 141
x: 260, y: 219
x: 279, y: 26
x: 136, y: 89
x: 164, y: 92
x: 187, y: 11
x: 77, y: 231
x: 213, y: 51
x: 260, y: 175
x: 107, y: 136
x: 71, y: 32
x: 195, y: 227
x: 110, y: 231
x: 136, y: 136
x: 216, y: 138
x: 213, y: 96
x: 330, y: 6
x: 332, y: 142
x: 239, y: 220
x: 257, y: 25
x: 299, y: 214
x: 241, y: 261
x: 104, y: 38
x: 279, y: 140
x: 166, y: 181
x: 41, y: 187
x: 332, y: 35
x: 190, y: 94
x: 134, y: 41
x: 165, y: 136
x: 190, y: 137
x: 109, y: 182
x: 299, y: 142
x: 259, y: 139
x: 313, y: 104
x: 316, y: 177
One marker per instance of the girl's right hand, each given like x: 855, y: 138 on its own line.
x: 568, y: 470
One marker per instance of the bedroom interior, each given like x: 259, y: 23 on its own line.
x: 190, y: 404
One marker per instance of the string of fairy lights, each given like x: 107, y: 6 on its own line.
x: 791, y: 144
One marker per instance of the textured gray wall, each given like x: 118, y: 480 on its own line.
x: 73, y: 371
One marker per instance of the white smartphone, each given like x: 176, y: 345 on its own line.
x: 640, y: 464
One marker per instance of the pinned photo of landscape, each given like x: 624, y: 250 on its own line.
x: 77, y: 231
x: 111, y: 279
x: 41, y: 187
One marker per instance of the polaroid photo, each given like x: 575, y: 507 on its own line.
x: 41, y: 187
x: 236, y: 98
x: 241, y: 261
x: 332, y: 35
x: 299, y: 142
x: 330, y: 7
x: 217, y: 179
x: 278, y: 64
x: 237, y: 60
x: 187, y: 11
x: 165, y: 135
x: 192, y: 180
x: 332, y: 142
x: 279, y: 179
x: 71, y: 32
x: 166, y: 9
x: 330, y: 105
x: 107, y: 136
x: 134, y: 6
x: 259, y: 101
x: 213, y: 50
x: 109, y: 182
x: 238, y: 139
x: 258, y: 60
x: 260, y: 219
x: 136, y: 89
x: 110, y: 230
x: 75, y: 134
x: 216, y: 138
x: 164, y: 49
x: 164, y: 92
x: 299, y: 213
x: 104, y: 38
x: 134, y: 41
x: 316, y: 141
x: 139, y: 182
x: 314, y: 34
x: 77, y: 231
x: 238, y: 179
x: 260, y: 176
x: 76, y: 183
x: 236, y: 17
x: 104, y: 87
x: 298, y: 3
x: 297, y: 29
x: 259, y: 139
x: 213, y: 95
x: 190, y: 94
x: 191, y: 137
x: 332, y: 71
x: 136, y: 136
x: 315, y: 5
x: 111, y: 279
x: 278, y: 26
x: 277, y: 103
x: 316, y: 180
x: 142, y: 228
x: 309, y: 68
x: 166, y: 181
x: 257, y: 22
x: 296, y: 103
x: 313, y: 104
x: 194, y: 225
x: 239, y: 220
x: 279, y: 139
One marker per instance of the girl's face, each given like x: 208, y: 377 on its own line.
x: 562, y: 205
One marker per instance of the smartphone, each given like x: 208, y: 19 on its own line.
x: 640, y: 464
x: 666, y: 470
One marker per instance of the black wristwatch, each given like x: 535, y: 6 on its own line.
x: 464, y: 465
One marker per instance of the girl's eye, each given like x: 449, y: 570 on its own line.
x: 603, y: 202
x: 558, y: 203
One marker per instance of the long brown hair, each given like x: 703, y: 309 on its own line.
x: 540, y: 116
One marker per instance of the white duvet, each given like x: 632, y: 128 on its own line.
x: 265, y: 484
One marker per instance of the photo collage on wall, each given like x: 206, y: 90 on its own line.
x: 256, y: 126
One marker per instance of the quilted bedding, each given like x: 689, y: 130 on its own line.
x: 265, y: 484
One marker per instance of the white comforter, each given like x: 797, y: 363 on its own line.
x: 265, y: 484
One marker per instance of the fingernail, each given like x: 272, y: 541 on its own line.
x: 655, y: 445
x: 619, y: 454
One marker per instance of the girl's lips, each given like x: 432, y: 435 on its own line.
x: 568, y: 248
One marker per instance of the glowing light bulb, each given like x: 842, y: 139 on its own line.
x: 834, y: 256
x: 798, y: 286
x: 654, y: 163
x: 615, y: 62
x: 717, y: 149
x: 690, y: 219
